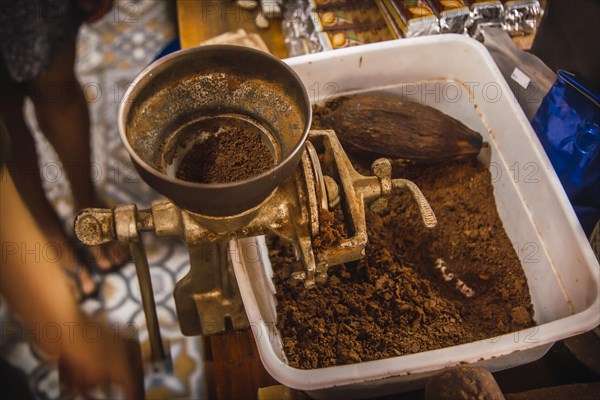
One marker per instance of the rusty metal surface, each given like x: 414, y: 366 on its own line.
x: 207, y: 298
x: 126, y: 230
x: 95, y: 226
x: 356, y: 191
x: 169, y: 100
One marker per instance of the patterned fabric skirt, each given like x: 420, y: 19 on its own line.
x: 33, y: 31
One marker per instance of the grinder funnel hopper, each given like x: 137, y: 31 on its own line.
x: 189, y: 94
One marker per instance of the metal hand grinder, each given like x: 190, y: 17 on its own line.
x: 174, y: 105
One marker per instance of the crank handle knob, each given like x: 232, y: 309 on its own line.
x: 95, y: 226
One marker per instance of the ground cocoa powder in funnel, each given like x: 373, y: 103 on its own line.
x: 232, y: 155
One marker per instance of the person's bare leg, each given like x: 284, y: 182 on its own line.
x: 25, y: 171
x: 63, y: 117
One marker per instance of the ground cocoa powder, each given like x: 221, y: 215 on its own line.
x: 232, y: 155
x: 399, y: 299
x: 331, y: 229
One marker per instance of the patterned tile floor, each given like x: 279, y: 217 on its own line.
x: 111, y: 53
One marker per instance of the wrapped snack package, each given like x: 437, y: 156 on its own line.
x: 413, y: 17
x: 452, y: 14
x: 350, y: 19
x: 345, y: 23
x: 389, y: 20
x: 301, y: 36
x: 325, y: 5
x: 484, y: 13
x: 521, y: 17
x: 340, y: 39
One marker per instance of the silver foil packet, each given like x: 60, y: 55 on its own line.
x: 484, y: 13
x: 453, y: 15
x: 301, y: 36
x: 521, y: 17
x: 413, y: 17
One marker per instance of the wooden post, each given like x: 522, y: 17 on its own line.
x: 233, y: 367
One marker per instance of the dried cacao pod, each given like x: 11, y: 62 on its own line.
x: 375, y: 126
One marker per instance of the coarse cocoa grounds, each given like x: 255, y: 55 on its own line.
x: 232, y: 155
x: 416, y: 289
x: 331, y: 229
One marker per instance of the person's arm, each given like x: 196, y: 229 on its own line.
x: 32, y: 281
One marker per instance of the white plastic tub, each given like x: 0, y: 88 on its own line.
x: 456, y: 75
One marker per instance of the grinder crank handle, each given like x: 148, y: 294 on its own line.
x: 382, y: 169
x: 427, y: 214
x: 95, y: 226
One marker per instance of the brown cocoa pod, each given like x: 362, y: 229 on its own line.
x: 375, y: 126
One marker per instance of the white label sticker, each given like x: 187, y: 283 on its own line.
x: 520, y: 77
